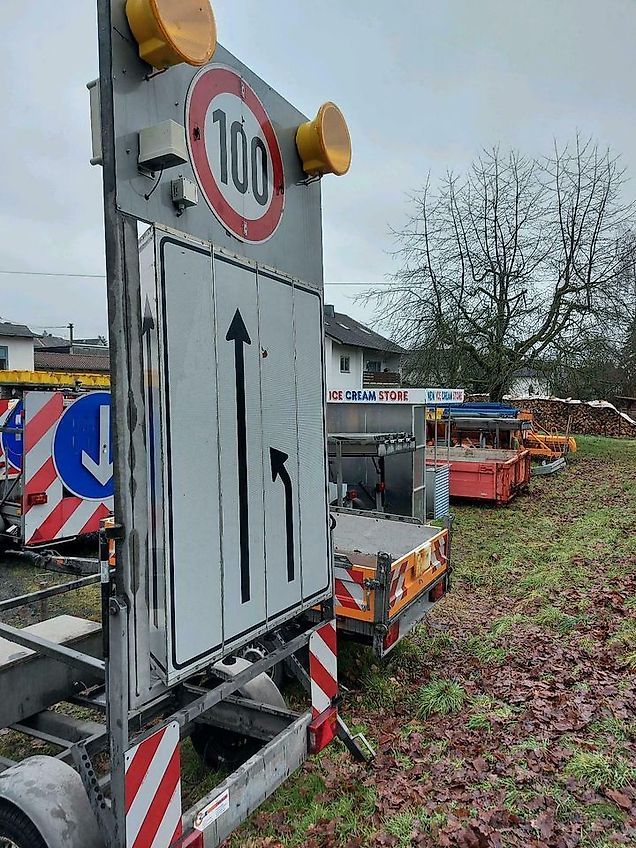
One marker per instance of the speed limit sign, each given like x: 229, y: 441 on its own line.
x: 235, y: 154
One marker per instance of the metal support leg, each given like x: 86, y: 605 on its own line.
x: 362, y: 754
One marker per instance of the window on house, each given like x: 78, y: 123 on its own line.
x: 345, y: 365
x: 530, y: 389
x: 374, y: 365
x: 4, y: 358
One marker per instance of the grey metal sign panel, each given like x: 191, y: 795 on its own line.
x: 238, y: 535
x: 311, y: 429
x: 143, y: 100
x: 238, y: 365
x: 181, y: 455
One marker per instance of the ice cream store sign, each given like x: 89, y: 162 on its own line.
x: 416, y: 397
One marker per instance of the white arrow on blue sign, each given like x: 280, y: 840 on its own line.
x: 82, y: 449
x: 12, y: 443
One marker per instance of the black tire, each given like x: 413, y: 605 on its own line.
x: 16, y: 830
x: 220, y: 749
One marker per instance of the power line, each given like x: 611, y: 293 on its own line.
x: 52, y: 274
x: 366, y: 283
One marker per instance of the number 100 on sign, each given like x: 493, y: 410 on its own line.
x: 235, y: 154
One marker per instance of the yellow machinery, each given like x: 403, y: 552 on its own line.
x: 543, y: 444
x: 53, y: 380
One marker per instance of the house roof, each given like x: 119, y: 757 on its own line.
x: 49, y: 342
x: 9, y: 329
x: 49, y: 360
x: 348, y: 331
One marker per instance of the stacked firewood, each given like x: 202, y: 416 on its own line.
x: 594, y: 419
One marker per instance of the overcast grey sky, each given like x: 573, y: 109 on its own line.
x: 424, y: 85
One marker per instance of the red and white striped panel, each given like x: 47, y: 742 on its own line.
x: 152, y: 790
x: 398, y: 579
x: 323, y: 667
x: 60, y: 517
x: 438, y: 552
x: 350, y: 591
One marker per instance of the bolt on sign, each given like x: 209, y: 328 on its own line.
x: 223, y: 298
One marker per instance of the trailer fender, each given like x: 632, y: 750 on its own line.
x: 51, y: 794
x: 261, y: 689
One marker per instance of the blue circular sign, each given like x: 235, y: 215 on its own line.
x: 13, y: 443
x: 82, y: 448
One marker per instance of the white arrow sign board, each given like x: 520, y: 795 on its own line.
x: 236, y: 435
x: 102, y: 469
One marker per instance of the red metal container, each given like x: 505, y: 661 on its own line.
x: 488, y: 474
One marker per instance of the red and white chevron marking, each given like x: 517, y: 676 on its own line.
x: 398, y: 579
x: 60, y: 517
x: 152, y: 790
x: 323, y: 667
x: 350, y: 591
x: 438, y: 552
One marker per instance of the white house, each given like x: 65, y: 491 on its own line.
x: 528, y: 382
x: 16, y: 347
x: 357, y: 356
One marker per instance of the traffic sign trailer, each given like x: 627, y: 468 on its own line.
x: 55, y: 467
x: 218, y: 436
x: 61, y: 661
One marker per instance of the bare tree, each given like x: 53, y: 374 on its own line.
x: 504, y: 266
x: 601, y: 361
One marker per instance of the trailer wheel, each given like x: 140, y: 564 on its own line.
x: 16, y: 830
x: 224, y: 748
x: 220, y: 749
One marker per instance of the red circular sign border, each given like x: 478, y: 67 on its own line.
x: 218, y: 80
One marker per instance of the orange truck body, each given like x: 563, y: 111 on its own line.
x: 488, y: 474
x: 389, y: 572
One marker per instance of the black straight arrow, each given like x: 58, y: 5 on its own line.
x: 278, y: 460
x: 147, y: 326
x: 239, y: 335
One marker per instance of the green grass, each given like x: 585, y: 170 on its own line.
x: 529, y: 545
x: 625, y: 640
x: 379, y: 690
x: 484, y: 649
x: 440, y: 697
x: 603, y: 810
x: 506, y: 623
x: 601, y: 771
x: 487, y: 705
x: 407, y: 658
x: 305, y: 804
x: 402, y: 825
x: 532, y: 743
x: 478, y: 721
x: 614, y: 728
x: 556, y: 619
x: 434, y: 646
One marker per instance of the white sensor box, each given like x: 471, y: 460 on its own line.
x: 162, y: 146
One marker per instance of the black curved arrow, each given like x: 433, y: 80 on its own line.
x: 238, y: 334
x: 147, y: 325
x: 278, y: 460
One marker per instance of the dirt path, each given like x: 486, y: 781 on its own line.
x: 511, y: 719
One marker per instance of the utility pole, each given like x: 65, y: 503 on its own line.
x: 70, y: 336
